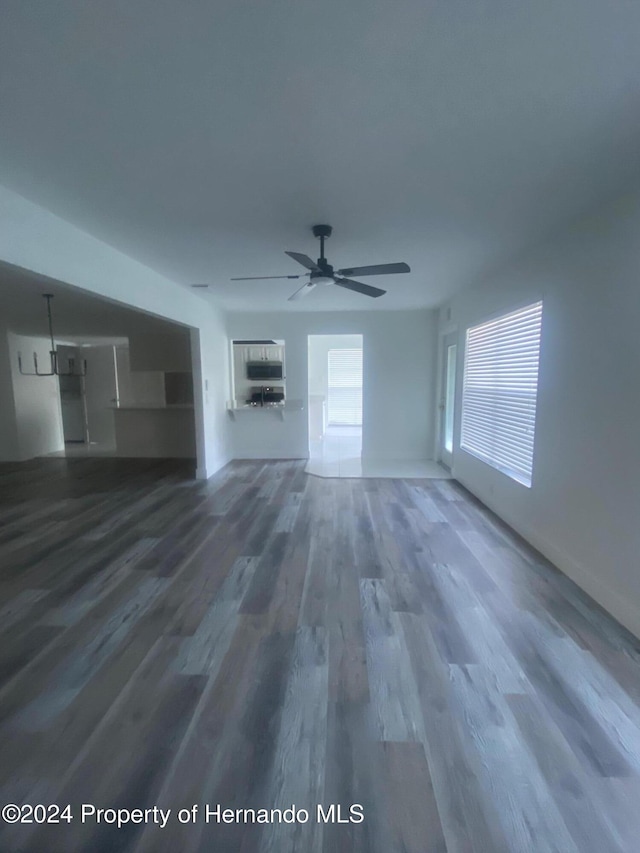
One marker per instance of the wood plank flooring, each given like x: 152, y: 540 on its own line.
x: 270, y: 638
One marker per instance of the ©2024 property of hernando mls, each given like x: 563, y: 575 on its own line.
x: 319, y: 478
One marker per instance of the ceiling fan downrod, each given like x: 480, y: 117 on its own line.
x: 323, y: 232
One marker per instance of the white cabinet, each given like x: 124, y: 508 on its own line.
x: 274, y: 353
x: 254, y: 353
x: 271, y: 352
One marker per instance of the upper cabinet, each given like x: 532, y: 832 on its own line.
x: 272, y: 352
x: 254, y: 353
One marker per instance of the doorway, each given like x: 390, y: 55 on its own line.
x: 335, y: 404
x: 72, y: 397
x: 101, y: 396
x: 88, y: 396
x: 447, y: 398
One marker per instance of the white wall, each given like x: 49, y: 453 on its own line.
x: 165, y: 352
x: 9, y: 447
x: 127, y: 394
x: 35, y: 239
x: 147, y: 388
x: 38, y: 415
x: 211, y: 389
x: 399, y: 370
x: 583, y: 507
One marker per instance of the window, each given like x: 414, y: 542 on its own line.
x: 345, y: 387
x: 500, y: 389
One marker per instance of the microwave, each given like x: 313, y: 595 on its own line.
x: 265, y: 370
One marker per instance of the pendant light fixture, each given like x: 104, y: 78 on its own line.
x: 54, y: 367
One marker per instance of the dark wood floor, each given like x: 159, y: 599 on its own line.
x: 270, y: 638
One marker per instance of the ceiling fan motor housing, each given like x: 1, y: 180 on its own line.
x: 326, y: 271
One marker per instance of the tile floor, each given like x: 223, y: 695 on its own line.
x: 338, y: 454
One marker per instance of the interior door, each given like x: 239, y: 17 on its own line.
x: 448, y: 396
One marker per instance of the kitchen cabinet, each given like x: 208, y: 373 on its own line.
x: 254, y: 353
x: 271, y: 352
x: 274, y: 353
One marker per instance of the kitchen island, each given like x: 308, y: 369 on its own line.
x: 155, y: 431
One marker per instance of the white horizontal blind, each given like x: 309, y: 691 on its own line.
x: 345, y: 387
x: 500, y: 390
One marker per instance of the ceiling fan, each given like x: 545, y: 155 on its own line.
x: 321, y: 272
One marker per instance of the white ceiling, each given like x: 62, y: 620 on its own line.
x: 204, y: 138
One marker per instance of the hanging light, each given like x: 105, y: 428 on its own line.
x: 54, y: 366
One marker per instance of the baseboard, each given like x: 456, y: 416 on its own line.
x: 203, y: 473
x: 377, y: 457
x: 616, y: 604
x: 266, y: 454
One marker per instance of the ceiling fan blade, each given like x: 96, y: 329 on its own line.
x: 261, y: 277
x: 366, y: 289
x: 302, y: 291
x: 305, y: 260
x: 376, y: 269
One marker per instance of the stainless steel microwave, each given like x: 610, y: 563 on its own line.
x: 265, y: 370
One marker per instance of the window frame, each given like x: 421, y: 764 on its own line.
x: 522, y: 474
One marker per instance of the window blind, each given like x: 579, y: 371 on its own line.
x: 344, y: 405
x: 499, y: 392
